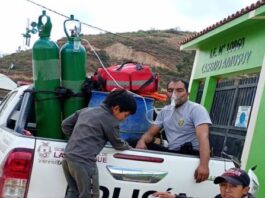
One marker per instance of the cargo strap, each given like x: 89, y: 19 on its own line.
x: 60, y: 93
x: 148, y: 82
x: 137, y: 65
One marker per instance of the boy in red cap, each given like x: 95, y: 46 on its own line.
x: 234, y: 183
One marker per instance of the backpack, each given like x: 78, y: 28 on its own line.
x: 135, y: 77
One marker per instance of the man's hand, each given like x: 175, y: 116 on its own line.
x: 148, y: 137
x: 201, y: 173
x: 141, y: 144
x: 163, y: 195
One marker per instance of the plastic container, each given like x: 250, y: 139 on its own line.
x: 135, y: 125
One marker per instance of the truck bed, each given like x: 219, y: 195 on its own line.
x: 122, y: 174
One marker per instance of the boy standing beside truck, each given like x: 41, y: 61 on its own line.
x: 89, y: 130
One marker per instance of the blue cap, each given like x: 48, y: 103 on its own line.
x: 234, y: 176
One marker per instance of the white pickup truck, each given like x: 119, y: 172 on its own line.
x: 30, y: 166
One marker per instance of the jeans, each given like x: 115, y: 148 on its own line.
x: 82, y: 179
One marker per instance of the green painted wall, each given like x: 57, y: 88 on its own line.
x: 256, y: 154
x: 231, y: 52
x: 233, y: 49
x: 208, y: 92
x: 194, y: 90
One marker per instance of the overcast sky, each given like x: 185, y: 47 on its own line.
x: 112, y: 15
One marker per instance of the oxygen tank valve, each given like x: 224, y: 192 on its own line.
x: 72, y: 29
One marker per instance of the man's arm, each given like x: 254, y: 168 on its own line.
x: 202, y: 171
x: 148, y: 137
x: 68, y: 123
x: 116, y: 141
x: 111, y: 132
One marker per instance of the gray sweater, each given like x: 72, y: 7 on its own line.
x: 89, y: 130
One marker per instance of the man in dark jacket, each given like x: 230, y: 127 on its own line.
x: 89, y: 130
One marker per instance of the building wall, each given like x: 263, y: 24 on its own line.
x: 237, y: 51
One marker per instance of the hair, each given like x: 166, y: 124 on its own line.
x: 121, y: 98
x: 186, y: 84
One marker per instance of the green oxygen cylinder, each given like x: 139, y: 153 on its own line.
x: 46, y: 78
x: 73, y: 64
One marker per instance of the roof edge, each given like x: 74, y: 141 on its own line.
x: 231, y: 17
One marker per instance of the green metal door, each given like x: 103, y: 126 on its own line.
x: 230, y: 97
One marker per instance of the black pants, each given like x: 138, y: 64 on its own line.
x: 184, y: 149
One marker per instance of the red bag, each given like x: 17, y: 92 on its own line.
x: 131, y: 76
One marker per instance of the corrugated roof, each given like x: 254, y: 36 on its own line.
x: 224, y: 21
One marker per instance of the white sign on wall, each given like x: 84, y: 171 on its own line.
x: 242, y: 116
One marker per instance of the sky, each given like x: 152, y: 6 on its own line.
x: 114, y: 16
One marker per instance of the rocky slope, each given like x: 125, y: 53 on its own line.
x: 156, y: 48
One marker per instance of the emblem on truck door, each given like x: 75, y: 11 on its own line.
x: 44, y: 150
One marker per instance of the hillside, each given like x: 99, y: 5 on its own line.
x: 156, y: 48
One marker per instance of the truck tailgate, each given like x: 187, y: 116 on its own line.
x: 47, y: 178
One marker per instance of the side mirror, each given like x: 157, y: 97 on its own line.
x: 254, y: 182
